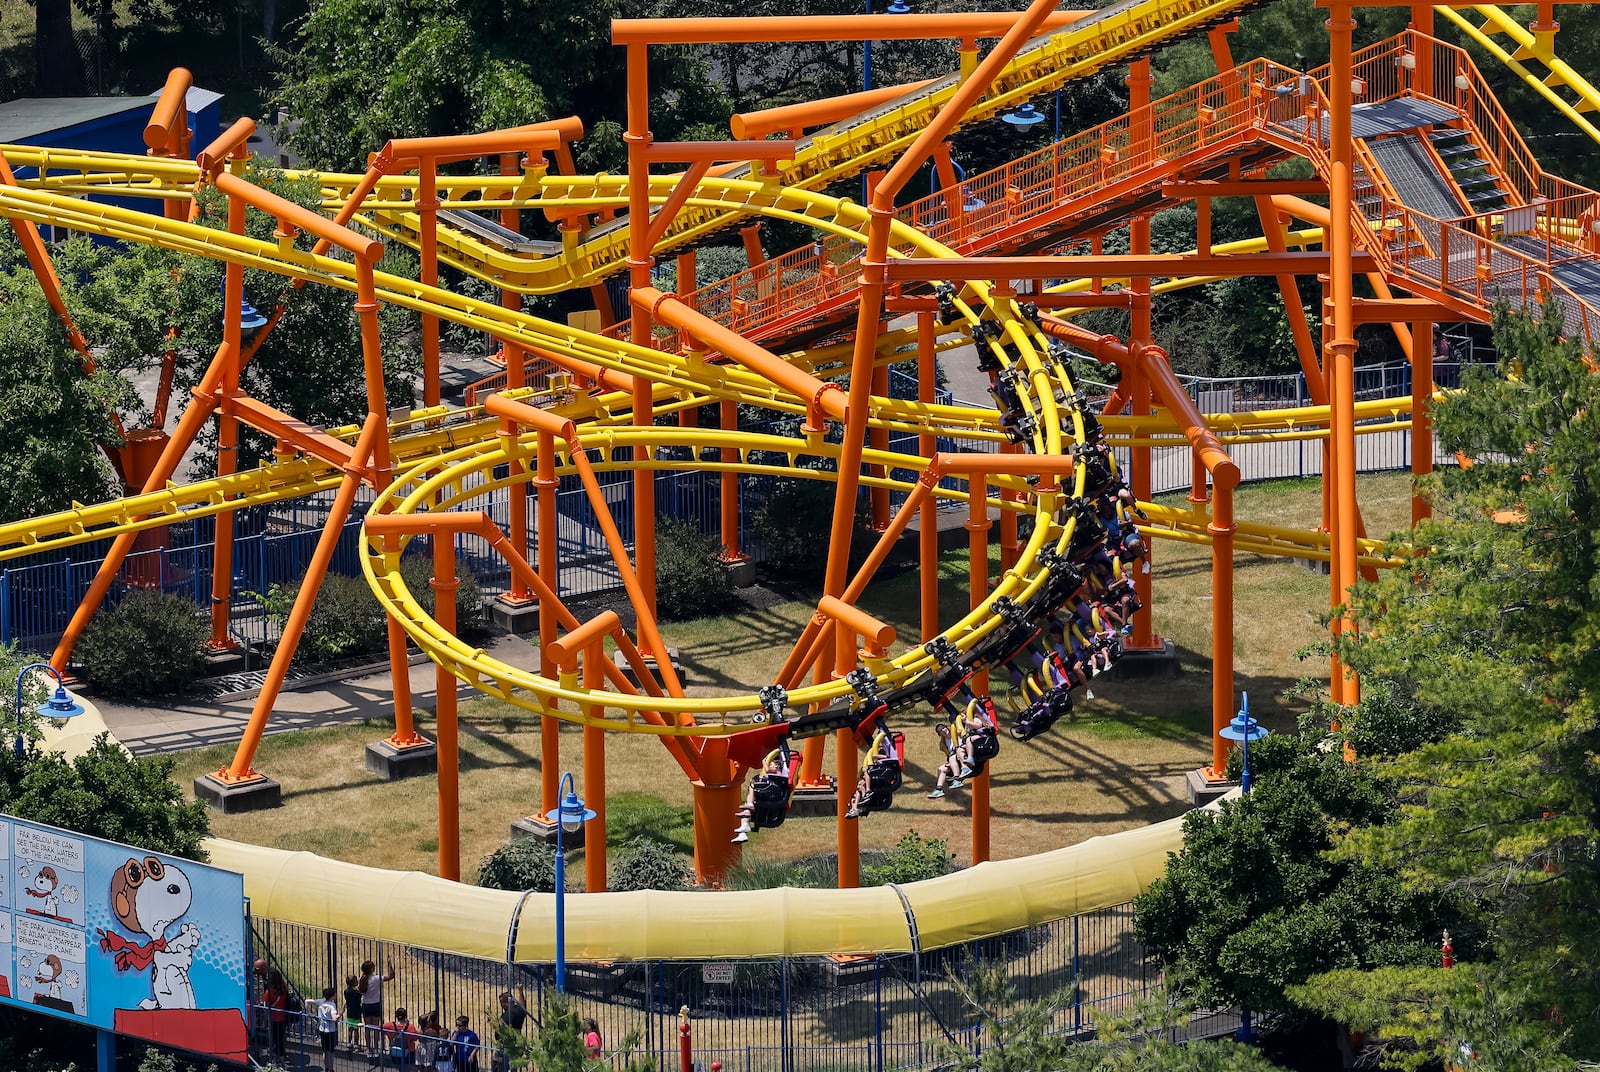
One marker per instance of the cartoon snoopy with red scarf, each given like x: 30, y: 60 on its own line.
x: 147, y: 897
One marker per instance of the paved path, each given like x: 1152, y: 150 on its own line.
x: 195, y: 723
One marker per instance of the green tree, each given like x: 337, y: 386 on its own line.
x: 423, y: 68
x: 1254, y: 903
x: 1490, y: 638
x: 53, y: 416
x: 1021, y: 1035
x: 106, y: 793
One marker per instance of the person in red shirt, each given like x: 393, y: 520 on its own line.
x: 400, y: 1039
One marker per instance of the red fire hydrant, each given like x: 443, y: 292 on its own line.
x: 685, y: 1049
x: 1447, y: 953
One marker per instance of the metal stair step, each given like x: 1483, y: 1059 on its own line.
x: 1486, y: 195
x: 1467, y: 165
x: 1456, y: 150
x: 1446, y: 133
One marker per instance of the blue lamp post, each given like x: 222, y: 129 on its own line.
x: 569, y: 819
x: 1244, y: 729
x: 59, y: 707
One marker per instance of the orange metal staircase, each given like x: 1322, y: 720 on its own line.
x: 1499, y: 226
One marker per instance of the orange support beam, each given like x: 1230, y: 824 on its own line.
x: 977, y: 593
x: 1342, y: 349
x: 927, y: 446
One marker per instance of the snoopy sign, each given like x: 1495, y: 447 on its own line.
x: 122, y: 939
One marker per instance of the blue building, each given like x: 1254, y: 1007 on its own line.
x: 102, y: 124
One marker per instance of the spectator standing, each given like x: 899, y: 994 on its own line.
x: 371, y: 986
x: 275, y: 997
x: 467, y: 1045
x: 327, y: 1014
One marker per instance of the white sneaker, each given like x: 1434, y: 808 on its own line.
x: 740, y: 838
x: 935, y: 794
x: 744, y: 828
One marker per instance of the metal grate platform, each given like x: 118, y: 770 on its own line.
x: 1414, y: 176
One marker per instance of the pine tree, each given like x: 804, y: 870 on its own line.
x: 1491, y: 638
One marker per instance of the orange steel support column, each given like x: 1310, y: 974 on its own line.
x: 1330, y: 470
x: 594, y: 775
x: 227, y: 439
x: 1197, y: 484
x: 1140, y: 335
x: 516, y: 376
x: 546, y: 482
x: 1340, y: 26
x: 444, y: 584
x: 1221, y: 529
x: 1010, y: 545
x: 728, y: 412
x: 1422, y: 46
x: 849, y: 840
x: 1421, y: 413
x: 638, y: 139
x: 880, y: 441
x: 240, y: 770
x: 927, y: 446
x: 874, y: 283
x: 977, y: 589
x: 716, y: 798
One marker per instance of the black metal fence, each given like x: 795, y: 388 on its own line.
x: 790, y: 1014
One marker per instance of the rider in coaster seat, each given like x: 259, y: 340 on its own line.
x: 880, y: 774
x: 766, y: 804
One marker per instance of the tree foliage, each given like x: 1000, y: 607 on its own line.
x: 359, y: 72
x: 1254, y: 903
x: 106, y: 793
x: 53, y: 415
x: 1023, y: 1035
x: 1490, y: 639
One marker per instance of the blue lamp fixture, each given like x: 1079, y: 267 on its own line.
x: 1024, y: 118
x: 569, y: 819
x: 250, y: 319
x: 59, y: 707
x: 1243, y: 729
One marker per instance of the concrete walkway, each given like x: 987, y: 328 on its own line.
x: 196, y: 723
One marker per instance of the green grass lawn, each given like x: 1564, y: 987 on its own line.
x: 1118, y: 763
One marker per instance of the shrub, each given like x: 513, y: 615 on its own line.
x: 470, y: 615
x: 646, y: 864
x: 147, y: 645
x: 347, y: 619
x: 795, y: 526
x: 525, y: 864
x: 913, y: 860
x: 691, y: 581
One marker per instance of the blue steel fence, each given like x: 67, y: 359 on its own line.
x: 787, y: 1014
x: 37, y: 599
